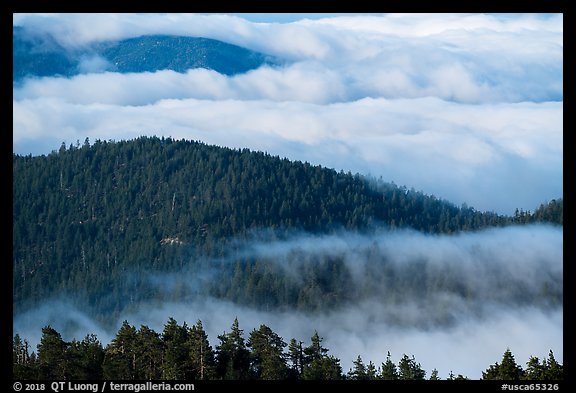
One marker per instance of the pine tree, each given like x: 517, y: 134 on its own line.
x: 389, y: 370
x: 359, y: 371
x: 492, y: 372
x: 120, y: 357
x: 23, y: 363
x: 409, y: 369
x: 371, y: 372
x: 52, y: 355
x: 72, y: 358
x: 553, y: 370
x: 267, y: 356
x: 176, y: 353
x: 509, y: 370
x: 534, y: 369
x: 233, y: 359
x: 149, y: 354
x: 91, y: 357
x: 315, y: 351
x: 319, y: 365
x: 202, y: 363
x: 296, y: 356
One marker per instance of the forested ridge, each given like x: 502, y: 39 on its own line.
x: 182, y: 352
x: 37, y: 55
x: 110, y: 212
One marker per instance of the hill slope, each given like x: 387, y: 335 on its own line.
x: 157, y: 52
x: 111, y: 212
x: 35, y: 55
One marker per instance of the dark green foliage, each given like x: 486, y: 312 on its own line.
x: 233, y: 358
x: 549, y: 369
x: 326, y: 368
x: 491, y: 373
x: 359, y: 371
x: 202, y: 362
x: 409, y: 369
x: 120, y: 356
x: 389, y: 369
x: 362, y: 372
x: 318, y: 364
x: 371, y: 371
x: 149, y: 354
x: 552, y: 212
x: 87, y: 357
x: 553, y: 370
x: 508, y: 368
x: 268, y: 360
x: 53, y: 361
x: 112, y: 213
x: 534, y: 370
x: 24, y: 364
x: 176, y: 350
x: 185, y: 353
x: 297, y: 360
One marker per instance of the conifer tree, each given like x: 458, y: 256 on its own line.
x: 409, y: 369
x: 202, y: 362
x: 509, y: 370
x: 233, y: 358
x: 358, y: 372
x: 149, y: 354
x: 554, y: 371
x: 52, y: 355
x: 176, y: 354
x: 389, y: 370
x: 534, y: 369
x: 268, y: 360
x: 296, y: 356
x: 120, y: 355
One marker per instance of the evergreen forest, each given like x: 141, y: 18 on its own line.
x: 107, y: 223
x: 111, y: 213
x: 182, y: 352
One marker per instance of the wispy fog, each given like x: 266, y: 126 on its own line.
x: 500, y: 271
x: 468, y: 107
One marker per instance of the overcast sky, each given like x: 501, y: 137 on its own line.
x: 468, y: 107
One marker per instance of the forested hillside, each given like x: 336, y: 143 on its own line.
x: 38, y: 55
x: 108, y: 213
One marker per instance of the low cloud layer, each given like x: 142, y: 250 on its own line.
x: 466, y: 107
x: 467, y: 348
x: 498, y: 264
x: 492, y: 157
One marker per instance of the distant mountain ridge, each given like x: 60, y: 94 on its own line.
x: 35, y: 55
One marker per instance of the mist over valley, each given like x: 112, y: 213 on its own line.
x: 383, y: 183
